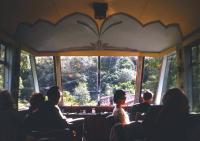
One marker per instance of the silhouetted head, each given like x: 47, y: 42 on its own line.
x: 175, y: 101
x: 6, y: 102
x: 36, y: 100
x: 53, y: 94
x: 119, y: 95
x: 147, y: 96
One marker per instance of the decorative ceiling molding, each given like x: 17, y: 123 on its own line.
x: 79, y: 31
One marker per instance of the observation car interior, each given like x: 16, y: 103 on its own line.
x: 89, y: 48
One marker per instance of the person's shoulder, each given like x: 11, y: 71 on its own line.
x: 155, y: 108
x: 135, y: 105
x: 47, y: 105
x: 140, y: 106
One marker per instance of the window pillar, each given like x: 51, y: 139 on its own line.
x: 163, y: 80
x: 12, y: 71
x: 57, y: 70
x: 139, y: 76
x: 35, y: 78
x: 57, y: 67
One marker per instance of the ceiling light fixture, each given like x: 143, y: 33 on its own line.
x: 100, y: 10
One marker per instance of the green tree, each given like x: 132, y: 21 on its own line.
x: 69, y: 99
x: 117, y: 70
x: 82, y: 94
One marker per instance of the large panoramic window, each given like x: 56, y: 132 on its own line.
x: 26, y: 84
x: 91, y: 80
x: 151, y: 74
x: 196, y: 78
x: 2, y: 65
x: 45, y: 72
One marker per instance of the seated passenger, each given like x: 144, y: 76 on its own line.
x: 48, y: 116
x: 118, y: 112
x: 120, y: 115
x: 172, y: 120
x: 36, y: 101
x: 139, y: 110
x: 10, y: 124
x: 51, y: 105
x: 166, y: 123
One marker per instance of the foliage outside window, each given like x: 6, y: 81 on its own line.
x: 82, y: 84
x: 45, y: 72
x: 88, y: 80
x: 117, y: 72
x: 79, y: 80
x: 151, y: 74
x: 2, y: 65
x: 171, y: 81
x: 1, y: 76
x: 195, y: 78
x: 26, y: 84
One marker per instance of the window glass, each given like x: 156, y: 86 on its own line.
x: 1, y: 76
x: 2, y: 66
x: 195, y: 78
x: 26, y: 85
x: 79, y: 80
x: 172, y: 71
x: 117, y: 72
x: 151, y: 74
x: 2, y: 52
x: 83, y: 84
x: 45, y: 72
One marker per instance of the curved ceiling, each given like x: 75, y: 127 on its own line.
x: 147, y: 26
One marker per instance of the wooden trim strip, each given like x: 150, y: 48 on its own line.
x: 103, y: 53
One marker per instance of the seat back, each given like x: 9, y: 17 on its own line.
x: 52, y: 135
x: 194, y: 127
x: 110, y: 120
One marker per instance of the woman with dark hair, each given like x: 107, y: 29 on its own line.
x: 172, y: 120
x: 175, y: 101
x: 10, y: 125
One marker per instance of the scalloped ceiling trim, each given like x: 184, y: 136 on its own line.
x: 80, y: 32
